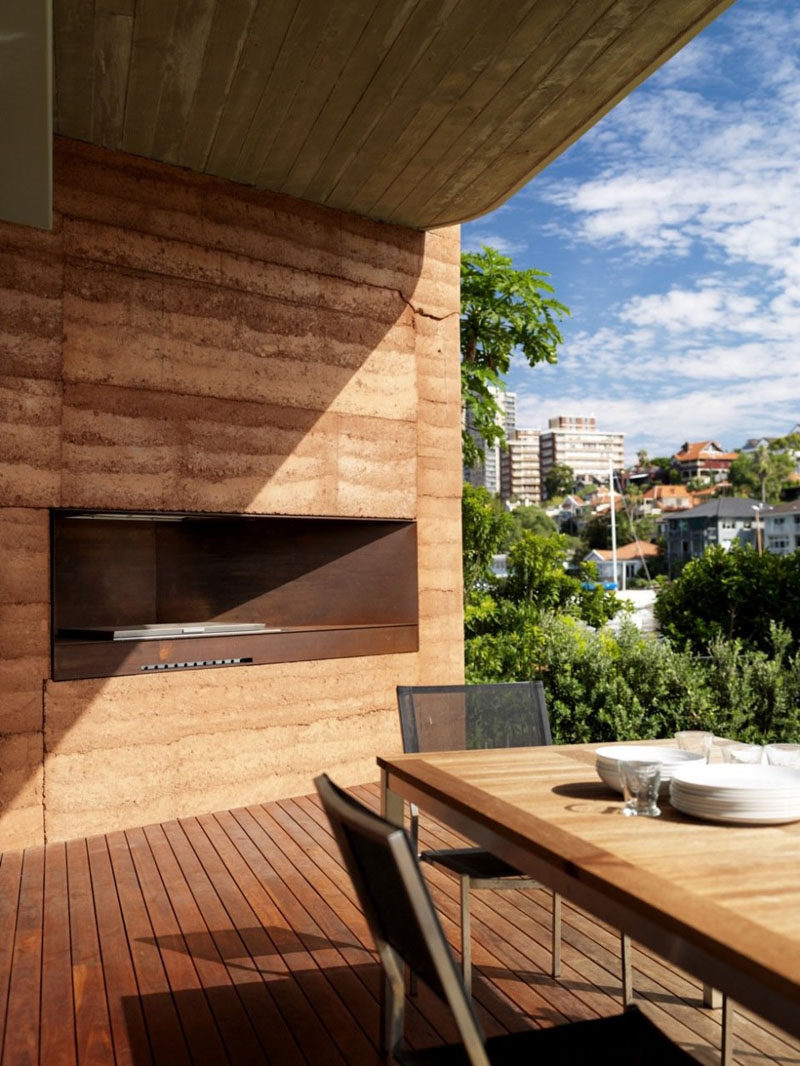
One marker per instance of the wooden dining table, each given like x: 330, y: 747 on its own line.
x: 720, y: 901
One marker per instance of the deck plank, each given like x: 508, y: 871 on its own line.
x: 92, y: 1023
x: 268, y: 895
x: 195, y: 941
x: 21, y: 1044
x: 126, y: 1018
x: 57, y: 992
x: 184, y: 983
x: 236, y: 937
x: 10, y: 884
x: 242, y: 968
x: 160, y: 1014
x: 305, y: 909
x: 335, y: 887
x: 270, y: 941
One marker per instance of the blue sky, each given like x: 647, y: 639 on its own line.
x: 672, y: 231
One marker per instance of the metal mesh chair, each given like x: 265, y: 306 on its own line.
x: 386, y: 874
x: 459, y: 717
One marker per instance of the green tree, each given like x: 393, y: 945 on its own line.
x: 527, y: 516
x: 671, y: 473
x: 645, y: 528
x: 503, y: 310
x: 560, y: 480
x: 596, y: 533
x: 535, y: 519
x: 537, y: 573
x: 763, y: 473
x: 484, y: 525
x: 732, y: 595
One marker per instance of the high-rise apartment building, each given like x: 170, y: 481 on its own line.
x: 492, y: 473
x: 524, y: 476
x: 522, y: 469
x: 576, y: 442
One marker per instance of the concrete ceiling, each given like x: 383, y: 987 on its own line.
x: 419, y: 112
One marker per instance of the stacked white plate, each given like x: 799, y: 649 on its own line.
x: 608, y: 757
x: 741, y: 794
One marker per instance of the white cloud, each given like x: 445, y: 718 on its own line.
x: 670, y: 416
x: 690, y: 311
x: 474, y: 240
x: 699, y: 179
x: 681, y: 211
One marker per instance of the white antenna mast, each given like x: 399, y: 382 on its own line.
x: 613, y: 521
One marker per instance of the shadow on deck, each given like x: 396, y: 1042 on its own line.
x: 236, y: 938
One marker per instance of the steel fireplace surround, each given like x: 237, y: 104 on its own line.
x: 139, y: 592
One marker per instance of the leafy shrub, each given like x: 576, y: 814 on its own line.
x: 758, y: 694
x: 734, y: 594
x: 731, y: 663
x: 604, y: 688
x: 626, y: 688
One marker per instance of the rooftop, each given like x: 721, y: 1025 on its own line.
x: 719, y: 507
x: 792, y: 507
x: 702, y: 449
x: 635, y: 550
x: 659, y: 492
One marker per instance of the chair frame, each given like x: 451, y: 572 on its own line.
x: 341, y: 809
x: 467, y: 883
x: 348, y: 817
x: 408, y: 725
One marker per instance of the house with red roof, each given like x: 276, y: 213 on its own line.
x: 631, y: 558
x: 661, y: 499
x: 703, y: 459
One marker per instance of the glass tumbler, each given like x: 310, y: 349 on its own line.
x: 783, y: 755
x: 698, y: 740
x: 640, y: 784
x: 742, y: 753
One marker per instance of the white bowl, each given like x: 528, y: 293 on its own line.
x: 608, y: 757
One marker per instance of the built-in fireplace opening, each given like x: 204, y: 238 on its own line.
x: 148, y: 592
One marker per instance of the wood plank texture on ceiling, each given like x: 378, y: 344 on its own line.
x: 420, y: 112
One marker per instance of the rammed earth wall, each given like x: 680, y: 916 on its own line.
x: 185, y: 343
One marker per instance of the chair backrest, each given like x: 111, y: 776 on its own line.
x: 398, y: 907
x: 458, y: 717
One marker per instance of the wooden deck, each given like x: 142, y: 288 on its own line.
x: 236, y: 938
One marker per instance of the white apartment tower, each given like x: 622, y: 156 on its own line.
x: 525, y: 477
x: 493, y: 472
x: 576, y: 442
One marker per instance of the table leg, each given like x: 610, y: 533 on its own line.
x: 626, y: 962
x: 391, y: 803
x: 727, y: 1032
x: 712, y: 997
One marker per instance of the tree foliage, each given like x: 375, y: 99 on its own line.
x: 537, y: 575
x: 732, y: 595
x: 601, y: 687
x: 596, y: 533
x: 503, y: 618
x: 731, y: 662
x: 645, y: 528
x: 560, y: 480
x: 485, y: 526
x: 503, y: 310
x: 763, y: 473
x: 530, y: 517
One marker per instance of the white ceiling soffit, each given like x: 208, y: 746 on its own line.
x: 419, y: 112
